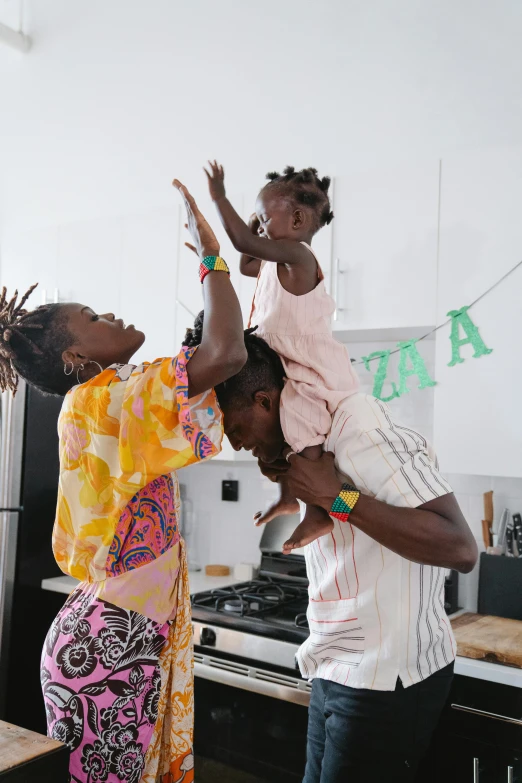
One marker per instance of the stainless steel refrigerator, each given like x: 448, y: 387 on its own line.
x: 28, y: 489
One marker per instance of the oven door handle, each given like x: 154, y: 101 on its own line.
x: 252, y: 684
x: 484, y: 714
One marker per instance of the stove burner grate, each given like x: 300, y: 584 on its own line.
x: 253, y: 599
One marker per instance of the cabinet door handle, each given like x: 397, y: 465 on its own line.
x: 475, y: 771
x: 180, y: 303
x: 484, y: 714
x: 337, y: 271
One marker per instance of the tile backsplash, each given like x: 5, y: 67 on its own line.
x: 225, y: 533
x: 469, y: 490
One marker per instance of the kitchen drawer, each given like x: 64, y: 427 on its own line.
x: 472, y: 707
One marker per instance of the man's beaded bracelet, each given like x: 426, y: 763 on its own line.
x: 344, y: 503
x: 212, y: 264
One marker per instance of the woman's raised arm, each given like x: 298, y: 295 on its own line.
x: 222, y: 352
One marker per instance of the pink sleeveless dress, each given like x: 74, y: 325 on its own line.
x: 318, y: 370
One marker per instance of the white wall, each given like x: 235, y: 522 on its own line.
x: 117, y: 97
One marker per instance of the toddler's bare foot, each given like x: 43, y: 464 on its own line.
x: 315, y: 524
x: 282, y: 507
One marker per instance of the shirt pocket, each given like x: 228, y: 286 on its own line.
x: 336, y: 635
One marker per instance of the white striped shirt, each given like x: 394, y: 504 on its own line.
x: 375, y: 616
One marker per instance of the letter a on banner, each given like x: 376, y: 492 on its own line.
x: 409, y: 352
x: 461, y: 318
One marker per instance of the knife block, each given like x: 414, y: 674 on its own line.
x: 500, y: 586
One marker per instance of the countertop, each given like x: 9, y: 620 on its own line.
x: 199, y: 581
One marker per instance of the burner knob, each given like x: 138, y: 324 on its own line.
x: 207, y: 637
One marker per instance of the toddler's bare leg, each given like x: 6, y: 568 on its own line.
x: 316, y: 523
x: 285, y: 504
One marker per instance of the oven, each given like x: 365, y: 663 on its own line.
x: 251, y: 704
x: 244, y: 735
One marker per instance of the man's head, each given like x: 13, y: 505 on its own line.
x: 250, y: 399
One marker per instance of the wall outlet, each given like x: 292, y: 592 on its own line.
x: 230, y: 490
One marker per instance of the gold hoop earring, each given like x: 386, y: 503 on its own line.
x: 65, y: 368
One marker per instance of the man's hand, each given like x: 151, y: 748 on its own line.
x: 315, y: 482
x: 216, y: 180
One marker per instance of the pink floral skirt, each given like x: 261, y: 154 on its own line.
x: 101, y: 680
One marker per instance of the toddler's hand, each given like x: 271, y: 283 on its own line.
x: 216, y: 180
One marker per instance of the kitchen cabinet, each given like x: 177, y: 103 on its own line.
x: 481, y: 720
x: 476, y: 422
x: 31, y: 257
x: 384, y: 260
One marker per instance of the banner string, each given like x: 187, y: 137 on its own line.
x: 445, y: 323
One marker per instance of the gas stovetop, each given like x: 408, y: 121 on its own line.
x: 267, y: 606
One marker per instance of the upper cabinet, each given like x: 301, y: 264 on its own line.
x: 478, y: 428
x: 384, y: 259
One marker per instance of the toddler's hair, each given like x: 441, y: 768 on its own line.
x: 306, y: 188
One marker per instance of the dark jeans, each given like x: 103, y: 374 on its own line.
x: 364, y: 736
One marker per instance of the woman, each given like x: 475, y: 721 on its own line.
x: 117, y: 662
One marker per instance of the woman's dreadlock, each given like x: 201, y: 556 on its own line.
x: 31, y: 345
x: 305, y: 187
x: 263, y: 369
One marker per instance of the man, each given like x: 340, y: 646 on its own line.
x: 380, y: 651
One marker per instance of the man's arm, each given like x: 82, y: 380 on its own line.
x: 434, y: 533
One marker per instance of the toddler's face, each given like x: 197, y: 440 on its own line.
x: 275, y: 216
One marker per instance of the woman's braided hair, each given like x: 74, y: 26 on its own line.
x: 307, y: 188
x: 31, y: 345
x: 263, y: 369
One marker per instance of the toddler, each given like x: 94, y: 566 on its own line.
x: 292, y: 311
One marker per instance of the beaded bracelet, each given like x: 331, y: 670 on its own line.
x: 212, y: 264
x: 344, y: 503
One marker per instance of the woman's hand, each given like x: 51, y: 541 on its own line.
x: 205, y: 242
x: 216, y: 180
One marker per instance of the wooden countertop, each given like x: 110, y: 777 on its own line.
x: 19, y: 747
x: 486, y: 638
